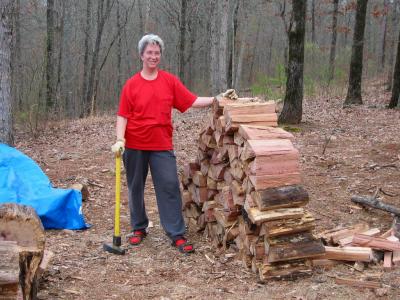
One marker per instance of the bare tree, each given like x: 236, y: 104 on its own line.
x: 50, y: 92
x: 313, y: 21
x: 293, y: 104
x: 182, y: 40
x: 6, y: 122
x: 87, y: 32
x: 384, y: 34
x: 103, y: 12
x: 392, y: 48
x: 394, y: 101
x: 332, y: 55
x: 356, y: 64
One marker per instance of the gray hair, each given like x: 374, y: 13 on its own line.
x: 150, y: 39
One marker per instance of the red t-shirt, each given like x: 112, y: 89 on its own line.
x: 147, y: 105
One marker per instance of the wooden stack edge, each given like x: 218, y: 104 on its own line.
x: 244, y: 190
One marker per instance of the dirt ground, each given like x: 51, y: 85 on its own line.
x: 362, y: 155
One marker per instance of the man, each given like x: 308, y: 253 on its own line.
x: 144, y: 135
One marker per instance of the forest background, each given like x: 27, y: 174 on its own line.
x: 70, y: 58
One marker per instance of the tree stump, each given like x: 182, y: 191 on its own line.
x: 9, y: 270
x: 21, y: 224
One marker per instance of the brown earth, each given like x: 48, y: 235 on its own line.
x: 362, y: 154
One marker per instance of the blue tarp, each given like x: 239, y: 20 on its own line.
x: 23, y: 182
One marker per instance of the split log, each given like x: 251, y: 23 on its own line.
x: 233, y: 121
x: 186, y: 198
x: 216, y: 172
x: 9, y: 270
x: 292, y: 247
x: 373, y: 202
x: 237, y: 170
x: 347, y: 240
x: 258, y: 132
x: 271, y: 181
x: 289, y: 226
x: 375, y: 243
x: 21, y: 224
x: 348, y: 253
x: 189, y: 169
x: 222, y: 219
x: 211, y: 183
x: 335, y: 236
x: 279, y: 148
x: 238, y: 139
x: 272, y: 166
x: 204, y: 166
x: 233, y: 152
x: 199, y: 179
x: 358, y: 283
x: 287, y: 196
x: 285, y: 270
x: 387, y: 260
x: 257, y: 216
x: 248, y: 108
x: 324, y: 263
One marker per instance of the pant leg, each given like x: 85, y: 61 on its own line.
x: 166, y: 184
x: 136, y: 164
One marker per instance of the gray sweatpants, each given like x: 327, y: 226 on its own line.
x: 166, y: 184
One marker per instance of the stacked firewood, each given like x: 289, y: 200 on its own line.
x: 244, y: 190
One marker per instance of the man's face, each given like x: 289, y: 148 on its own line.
x: 151, y: 56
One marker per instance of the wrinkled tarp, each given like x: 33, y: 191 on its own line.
x: 23, y: 182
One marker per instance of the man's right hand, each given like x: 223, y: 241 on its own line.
x: 119, y: 146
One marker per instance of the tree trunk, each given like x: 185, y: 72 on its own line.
x: 102, y: 15
x: 214, y: 58
x: 232, y: 51
x: 50, y: 95
x: 6, y: 122
x: 119, y: 49
x: 313, y: 21
x: 60, y: 53
x: 182, y: 34
x: 383, y: 52
x: 396, y: 79
x: 148, y: 27
x: 293, y: 104
x: 88, y: 33
x: 333, y: 41
x: 140, y: 12
x: 223, y: 45
x: 392, y: 45
x: 16, y: 81
x: 356, y: 64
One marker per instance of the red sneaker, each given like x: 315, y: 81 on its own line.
x: 136, y: 237
x: 183, y: 245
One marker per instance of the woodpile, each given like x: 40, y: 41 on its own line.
x: 22, y: 243
x: 244, y: 190
x: 359, y: 243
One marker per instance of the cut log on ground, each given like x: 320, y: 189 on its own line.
x: 375, y: 203
x: 375, y: 243
x: 358, y: 283
x: 21, y: 224
x: 348, y: 253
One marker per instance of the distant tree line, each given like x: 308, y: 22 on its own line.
x: 69, y: 59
